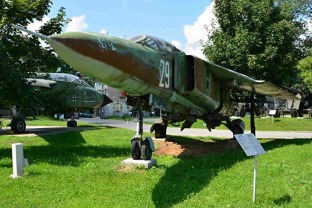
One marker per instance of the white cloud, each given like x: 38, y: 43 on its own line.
x: 103, y: 31
x: 177, y: 44
x: 77, y: 23
x: 196, y: 32
x: 37, y: 24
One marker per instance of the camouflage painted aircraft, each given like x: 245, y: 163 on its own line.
x: 80, y: 95
x: 155, y: 73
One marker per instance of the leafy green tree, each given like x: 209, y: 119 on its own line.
x: 259, y: 38
x: 305, y: 68
x: 21, y: 54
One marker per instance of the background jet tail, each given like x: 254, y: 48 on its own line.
x: 106, y: 100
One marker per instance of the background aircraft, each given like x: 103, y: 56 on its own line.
x: 155, y: 73
x: 78, y: 95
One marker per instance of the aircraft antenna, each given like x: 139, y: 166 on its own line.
x: 31, y: 32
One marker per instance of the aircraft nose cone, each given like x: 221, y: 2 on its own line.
x: 106, y: 100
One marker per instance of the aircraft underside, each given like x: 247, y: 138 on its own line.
x: 143, y: 147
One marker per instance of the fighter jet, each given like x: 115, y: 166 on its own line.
x: 80, y: 95
x: 153, y: 72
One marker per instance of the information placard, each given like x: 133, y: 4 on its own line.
x: 250, y: 144
x: 251, y: 147
x: 272, y: 112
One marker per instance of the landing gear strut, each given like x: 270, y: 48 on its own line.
x: 140, y: 147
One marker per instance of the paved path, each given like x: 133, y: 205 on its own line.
x: 43, y: 130
x: 200, y: 132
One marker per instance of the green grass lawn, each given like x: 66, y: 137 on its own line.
x: 82, y: 169
x: 265, y: 124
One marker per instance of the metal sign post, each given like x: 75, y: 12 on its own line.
x: 251, y: 147
x: 255, y: 178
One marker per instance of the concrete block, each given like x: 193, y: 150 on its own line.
x: 18, y: 160
x: 137, y: 163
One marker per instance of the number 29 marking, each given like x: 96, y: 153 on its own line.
x: 164, y: 72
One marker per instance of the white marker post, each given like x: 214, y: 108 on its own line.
x: 19, y: 162
x: 272, y: 114
x: 251, y: 147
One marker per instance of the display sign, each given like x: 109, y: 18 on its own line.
x: 272, y: 112
x: 251, y: 147
x: 250, y: 144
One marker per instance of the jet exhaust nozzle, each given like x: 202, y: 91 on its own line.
x: 106, y: 100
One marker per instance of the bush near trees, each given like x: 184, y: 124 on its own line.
x: 305, y: 67
x: 263, y: 38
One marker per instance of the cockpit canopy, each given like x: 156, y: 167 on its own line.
x: 155, y: 43
x: 63, y: 77
x: 68, y: 78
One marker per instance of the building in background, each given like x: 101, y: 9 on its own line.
x: 118, y: 107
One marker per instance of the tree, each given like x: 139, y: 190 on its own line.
x: 21, y: 54
x: 305, y: 68
x: 259, y: 38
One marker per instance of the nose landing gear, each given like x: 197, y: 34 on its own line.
x: 139, y: 147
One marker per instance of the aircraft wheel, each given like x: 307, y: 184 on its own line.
x: 69, y: 123
x: 238, y: 126
x: 18, y: 125
x: 160, y: 130
x: 242, y: 113
x: 294, y: 114
x: 146, y: 150
x: 74, y: 123
x: 135, y: 150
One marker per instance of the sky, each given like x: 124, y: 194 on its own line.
x: 181, y: 22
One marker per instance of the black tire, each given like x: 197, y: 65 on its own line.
x: 135, y: 150
x: 294, y: 114
x: 146, y: 150
x: 18, y: 125
x: 238, y: 126
x: 69, y: 123
x: 242, y: 113
x: 74, y: 124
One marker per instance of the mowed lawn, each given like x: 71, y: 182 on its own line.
x: 269, y: 124
x: 83, y: 169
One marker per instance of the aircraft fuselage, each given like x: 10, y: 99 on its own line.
x: 174, y: 80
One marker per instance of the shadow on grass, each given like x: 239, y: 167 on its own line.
x: 286, y: 199
x: 66, y: 149
x: 191, y: 174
